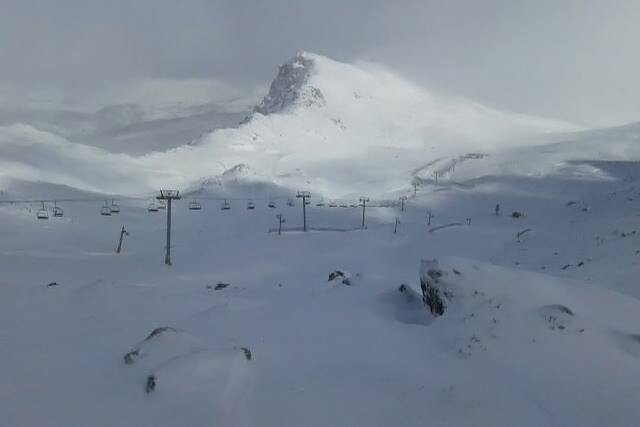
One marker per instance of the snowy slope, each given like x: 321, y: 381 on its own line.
x: 542, y: 320
x: 128, y: 128
x: 514, y: 347
x: 320, y: 120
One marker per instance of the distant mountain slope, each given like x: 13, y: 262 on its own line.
x: 332, y: 127
x: 127, y: 128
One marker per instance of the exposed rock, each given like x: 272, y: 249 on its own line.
x: 131, y: 357
x: 434, y: 292
x: 160, y: 330
x: 291, y: 86
x: 343, y: 276
x: 557, y: 316
x: 150, y: 384
x: 247, y: 353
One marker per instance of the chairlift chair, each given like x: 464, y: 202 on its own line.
x: 153, y: 207
x: 290, y: 203
x: 251, y: 206
x: 320, y: 204
x: 333, y: 205
x: 343, y: 205
x: 106, y: 210
x: 42, y: 213
x: 194, y: 205
x: 272, y: 204
x: 114, y: 207
x: 57, y: 211
x: 225, y: 206
x: 162, y: 205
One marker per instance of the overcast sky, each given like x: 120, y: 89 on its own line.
x: 570, y: 59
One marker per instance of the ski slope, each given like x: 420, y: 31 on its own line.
x: 525, y: 342
x: 542, y: 321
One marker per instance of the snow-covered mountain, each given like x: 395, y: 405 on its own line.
x: 502, y: 291
x: 320, y: 119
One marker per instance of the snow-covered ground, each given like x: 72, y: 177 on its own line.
x: 542, y: 320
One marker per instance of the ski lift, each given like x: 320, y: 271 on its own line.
x: 290, y: 203
x: 43, y: 213
x: 152, y: 207
x: 251, y: 206
x: 225, y: 206
x: 333, y: 205
x: 353, y: 205
x: 320, y: 204
x: 343, y: 205
x: 106, y: 210
x: 57, y: 210
x: 114, y: 207
x: 272, y: 204
x: 162, y: 205
x: 194, y: 205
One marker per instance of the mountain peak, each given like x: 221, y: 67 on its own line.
x: 291, y: 86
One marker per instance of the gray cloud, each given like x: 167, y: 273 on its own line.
x: 571, y: 59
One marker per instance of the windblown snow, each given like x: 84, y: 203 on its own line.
x: 495, y: 280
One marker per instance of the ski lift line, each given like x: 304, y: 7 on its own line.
x: 116, y: 207
x: 286, y: 199
x: 71, y: 200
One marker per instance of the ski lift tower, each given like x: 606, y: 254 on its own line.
x: 168, y: 195
x: 304, y: 195
x: 363, y: 203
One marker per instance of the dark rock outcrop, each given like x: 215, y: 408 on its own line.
x: 435, y: 293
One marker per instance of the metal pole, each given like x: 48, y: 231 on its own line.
x: 280, y: 221
x: 304, y: 195
x: 364, y: 201
x: 169, y: 196
x: 122, y: 233
x: 304, y: 212
x: 167, y: 258
x: 395, y: 229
